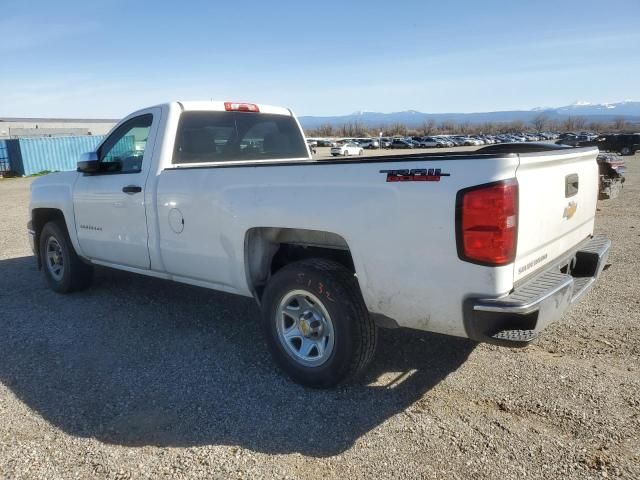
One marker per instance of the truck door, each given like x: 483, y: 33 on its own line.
x: 109, y: 206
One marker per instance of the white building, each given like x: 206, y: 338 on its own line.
x: 53, y: 127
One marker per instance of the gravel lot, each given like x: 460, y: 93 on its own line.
x: 140, y: 378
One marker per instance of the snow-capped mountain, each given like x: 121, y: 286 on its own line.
x: 628, y: 109
x: 625, y: 108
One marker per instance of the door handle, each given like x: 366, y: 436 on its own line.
x: 571, y: 184
x: 131, y: 189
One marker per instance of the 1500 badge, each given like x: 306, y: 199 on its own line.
x: 415, y: 175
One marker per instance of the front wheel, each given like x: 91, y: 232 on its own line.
x: 625, y: 151
x: 316, y: 323
x: 64, y: 270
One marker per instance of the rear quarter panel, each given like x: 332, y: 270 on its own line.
x: 401, y: 234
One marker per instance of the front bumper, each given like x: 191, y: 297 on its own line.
x: 516, y: 319
x: 32, y: 237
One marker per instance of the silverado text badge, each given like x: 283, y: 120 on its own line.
x: 91, y: 227
x: 415, y: 175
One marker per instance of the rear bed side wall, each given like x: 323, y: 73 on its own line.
x: 401, y: 235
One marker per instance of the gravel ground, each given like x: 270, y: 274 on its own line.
x: 140, y: 378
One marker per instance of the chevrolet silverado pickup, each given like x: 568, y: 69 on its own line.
x: 491, y: 245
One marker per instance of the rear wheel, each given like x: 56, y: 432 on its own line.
x: 316, y: 324
x: 625, y: 151
x: 64, y: 270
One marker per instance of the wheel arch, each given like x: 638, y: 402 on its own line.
x: 52, y: 198
x: 268, y: 249
x: 39, y: 218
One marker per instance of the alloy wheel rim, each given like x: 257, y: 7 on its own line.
x: 55, y: 259
x: 305, y: 328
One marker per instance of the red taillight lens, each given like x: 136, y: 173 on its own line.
x: 487, y: 223
x: 241, y: 107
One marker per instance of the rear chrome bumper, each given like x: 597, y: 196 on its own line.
x: 516, y: 319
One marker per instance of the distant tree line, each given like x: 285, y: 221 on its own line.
x: 540, y: 123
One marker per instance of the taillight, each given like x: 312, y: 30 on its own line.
x: 487, y: 223
x: 241, y: 107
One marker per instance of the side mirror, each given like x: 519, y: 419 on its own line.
x: 89, y: 163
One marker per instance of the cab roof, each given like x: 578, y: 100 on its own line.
x: 219, y: 106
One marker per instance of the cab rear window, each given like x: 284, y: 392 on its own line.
x: 233, y: 136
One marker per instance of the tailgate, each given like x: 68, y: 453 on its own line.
x: 557, y: 205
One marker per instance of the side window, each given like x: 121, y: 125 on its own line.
x: 225, y: 136
x: 125, y: 147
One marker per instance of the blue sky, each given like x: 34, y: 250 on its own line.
x: 107, y: 58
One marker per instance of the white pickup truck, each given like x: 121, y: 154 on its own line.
x: 492, y: 245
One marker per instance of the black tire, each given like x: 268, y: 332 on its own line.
x: 75, y: 275
x: 355, y: 333
x: 625, y: 151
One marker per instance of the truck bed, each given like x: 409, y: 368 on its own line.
x: 492, y: 151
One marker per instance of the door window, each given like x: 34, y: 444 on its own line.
x: 124, y: 149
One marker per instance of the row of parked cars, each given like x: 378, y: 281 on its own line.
x: 356, y: 146
x: 622, y: 143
